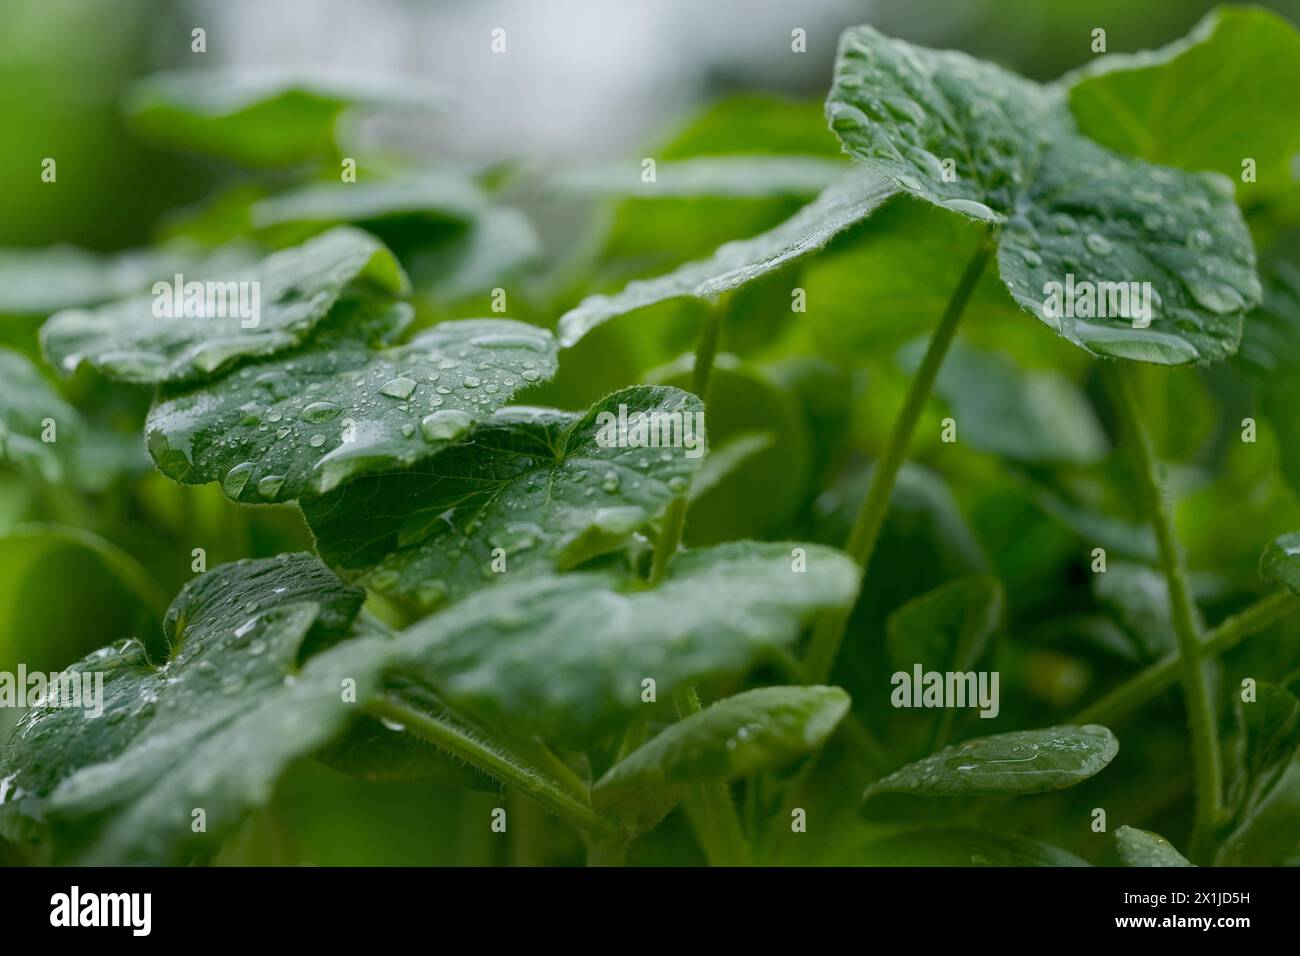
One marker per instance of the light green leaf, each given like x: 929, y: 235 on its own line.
x: 294, y: 289
x: 211, y: 727
x: 739, y: 736
x: 1280, y: 561
x: 1157, y: 104
x: 1144, y: 848
x: 963, y: 846
x: 27, y: 403
x: 566, y: 656
x: 270, y: 118
x: 848, y: 201
x: 305, y: 422
x: 43, y: 281
x: 1066, y: 206
x: 1265, y: 792
x: 946, y: 629
x: 1030, y: 416
x: 498, y: 243
x: 749, y: 125
x: 537, y: 490
x: 430, y: 196
x: 1024, y: 761
x: 740, y: 176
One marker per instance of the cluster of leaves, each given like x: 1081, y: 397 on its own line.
x: 498, y: 596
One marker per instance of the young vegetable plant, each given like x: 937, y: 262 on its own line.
x: 500, y: 595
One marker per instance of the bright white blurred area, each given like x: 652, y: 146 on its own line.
x: 588, y: 78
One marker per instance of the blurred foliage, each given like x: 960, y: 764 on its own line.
x: 987, y: 550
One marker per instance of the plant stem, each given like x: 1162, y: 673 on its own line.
x: 1140, y: 688
x: 1186, y: 619
x: 710, y: 808
x: 455, y: 740
x: 829, y: 631
x: 702, y: 369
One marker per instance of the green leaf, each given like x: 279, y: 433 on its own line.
x: 963, y: 846
x: 305, y: 422
x: 727, y: 176
x: 1144, y: 848
x: 739, y: 736
x: 430, y: 196
x: 1030, y: 416
x: 1270, y: 357
x: 1280, y: 561
x: 946, y: 629
x: 1066, y: 206
x: 43, y: 281
x: 211, y: 728
x: 1265, y: 792
x: 295, y: 289
x: 27, y: 402
x: 1139, y: 595
x: 565, y: 656
x: 256, y: 119
x: 1024, y: 761
x: 749, y: 124
x: 848, y: 201
x: 537, y: 490
x: 1157, y: 104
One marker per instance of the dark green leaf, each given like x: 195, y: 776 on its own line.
x: 1144, y: 848
x: 1280, y: 561
x: 1158, y: 105
x: 1066, y: 206
x: 211, y: 728
x: 946, y: 629
x: 566, y: 656
x: 1265, y: 793
x: 304, y: 423
x: 739, y: 736
x: 27, y: 404
x: 963, y: 846
x: 1024, y: 761
x: 1030, y: 416
x: 536, y: 490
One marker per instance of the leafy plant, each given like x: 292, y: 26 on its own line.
x: 522, y: 596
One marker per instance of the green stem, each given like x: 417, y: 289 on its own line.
x: 455, y: 740
x: 710, y: 808
x: 675, y: 516
x: 1145, y: 685
x: 1186, y: 619
x: 829, y: 631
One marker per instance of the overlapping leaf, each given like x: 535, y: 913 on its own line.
x: 536, y: 490
x: 731, y: 176
x: 1024, y: 761
x: 1265, y: 794
x: 982, y: 142
x: 258, y: 118
x: 1144, y: 848
x: 27, y: 403
x: 739, y: 736
x: 1158, y: 105
x: 210, y: 729
x: 1280, y: 561
x: 1031, y: 416
x: 566, y: 656
x: 295, y: 289
x: 848, y: 201
x: 303, y: 423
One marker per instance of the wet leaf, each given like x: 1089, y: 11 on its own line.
x: 567, y: 656
x: 536, y: 490
x: 1144, y: 848
x: 281, y: 302
x: 303, y: 423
